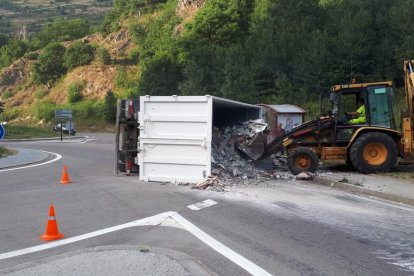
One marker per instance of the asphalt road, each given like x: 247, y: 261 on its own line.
x: 284, y: 228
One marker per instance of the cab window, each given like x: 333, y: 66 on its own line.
x: 380, y: 106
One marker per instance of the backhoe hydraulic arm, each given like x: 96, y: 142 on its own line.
x: 408, y: 119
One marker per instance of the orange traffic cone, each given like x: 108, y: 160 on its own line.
x: 65, y: 176
x: 52, y: 231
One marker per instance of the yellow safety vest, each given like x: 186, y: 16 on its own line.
x: 361, y: 116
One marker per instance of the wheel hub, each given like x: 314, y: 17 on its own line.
x: 375, y: 153
x: 303, y: 162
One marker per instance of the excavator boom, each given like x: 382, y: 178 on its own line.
x: 408, y: 119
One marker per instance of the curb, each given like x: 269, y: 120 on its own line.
x: 44, y: 139
x: 194, y: 266
x: 39, y: 160
x: 362, y: 191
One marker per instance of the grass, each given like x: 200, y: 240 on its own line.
x: 25, y: 132
x: 21, y: 132
x: 4, y: 152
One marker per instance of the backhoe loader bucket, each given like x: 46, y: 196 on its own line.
x: 254, y: 148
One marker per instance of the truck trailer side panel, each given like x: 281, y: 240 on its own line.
x: 175, y: 138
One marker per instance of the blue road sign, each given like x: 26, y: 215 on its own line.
x: 63, y: 114
x: 2, y: 132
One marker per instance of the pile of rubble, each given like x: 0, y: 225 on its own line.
x: 230, y: 164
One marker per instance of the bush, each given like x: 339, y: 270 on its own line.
x: 32, y: 55
x: 121, y: 79
x: 50, y: 66
x: 109, y: 107
x: 75, y: 93
x: 4, y: 152
x: 11, y: 51
x: 45, y: 111
x: 11, y: 113
x: 58, y: 31
x: 78, y: 54
x: 102, y: 55
x: 87, y: 111
x: 134, y: 54
x: 7, y: 94
x: 40, y: 94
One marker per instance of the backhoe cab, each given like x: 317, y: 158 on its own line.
x: 360, y: 130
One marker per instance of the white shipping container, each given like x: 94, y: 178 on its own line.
x: 176, y: 134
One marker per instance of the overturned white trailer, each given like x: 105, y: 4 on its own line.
x: 175, y: 134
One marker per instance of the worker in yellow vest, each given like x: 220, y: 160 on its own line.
x: 358, y: 117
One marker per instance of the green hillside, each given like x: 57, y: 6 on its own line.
x: 19, y: 16
x: 273, y: 51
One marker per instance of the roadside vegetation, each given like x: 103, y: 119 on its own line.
x: 264, y: 51
x: 22, y: 132
x: 272, y: 51
x: 4, y: 152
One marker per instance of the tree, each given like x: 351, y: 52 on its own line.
x: 3, y: 40
x: 75, y: 93
x: 50, y: 66
x: 161, y: 76
x: 103, y: 56
x: 78, y: 54
x: 216, y: 23
x: 58, y: 31
x: 11, y: 51
x: 109, y: 110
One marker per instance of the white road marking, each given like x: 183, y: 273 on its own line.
x: 65, y: 141
x: 171, y: 219
x: 141, y: 222
x: 87, y: 140
x: 220, y: 248
x: 58, y: 157
x: 201, y: 205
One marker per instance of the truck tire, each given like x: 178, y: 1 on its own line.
x: 374, y: 152
x: 303, y: 160
x: 122, y: 167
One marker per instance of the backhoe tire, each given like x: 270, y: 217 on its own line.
x: 349, y: 164
x: 374, y: 152
x: 302, y: 160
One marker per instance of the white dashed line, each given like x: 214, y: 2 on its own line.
x: 201, y: 205
x: 171, y: 219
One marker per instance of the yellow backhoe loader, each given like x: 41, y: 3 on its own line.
x: 359, y: 130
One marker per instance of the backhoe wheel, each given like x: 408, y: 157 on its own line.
x: 303, y: 160
x: 374, y: 152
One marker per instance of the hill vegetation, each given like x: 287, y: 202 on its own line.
x: 278, y: 51
x: 26, y: 17
x: 274, y: 51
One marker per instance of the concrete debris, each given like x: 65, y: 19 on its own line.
x: 212, y: 181
x: 305, y: 176
x: 230, y: 165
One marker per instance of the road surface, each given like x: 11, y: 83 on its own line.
x: 283, y: 228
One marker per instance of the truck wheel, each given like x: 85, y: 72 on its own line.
x: 374, y: 152
x: 303, y: 160
x: 122, y: 167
